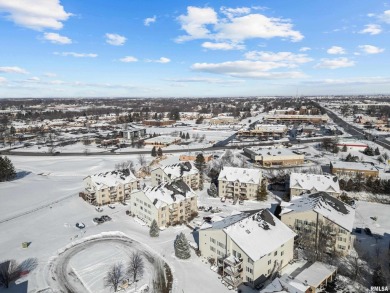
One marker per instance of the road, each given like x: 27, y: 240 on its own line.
x: 353, y: 130
x: 62, y: 278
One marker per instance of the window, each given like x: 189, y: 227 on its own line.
x: 212, y: 248
x: 282, y: 253
x: 250, y: 261
x: 275, y: 253
x: 220, y: 244
x: 248, y: 279
x: 249, y: 270
x: 135, y: 204
x: 213, y: 240
x: 236, y: 254
x: 341, y: 247
x: 269, y: 262
x: 269, y: 271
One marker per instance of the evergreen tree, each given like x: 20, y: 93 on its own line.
x: 377, y: 152
x: 187, y: 136
x: 335, y: 149
x: 344, y: 149
x: 212, y: 191
x: 154, y: 229
x: 7, y: 170
x: 182, y: 248
x: 154, y: 152
x: 368, y: 151
x: 200, y: 164
x: 261, y: 194
x: 159, y: 152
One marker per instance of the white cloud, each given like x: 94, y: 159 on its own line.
x: 203, y: 23
x: 248, y: 69
x: 354, y: 81
x: 205, y: 80
x: 335, y: 63
x: 115, y: 39
x: 161, y: 60
x: 13, y: 69
x: 128, y: 59
x: 3, y: 79
x: 372, y: 29
x: 335, y: 50
x: 385, y: 16
x: 49, y: 74
x: 232, y: 12
x: 77, y: 55
x: 37, y: 14
x: 57, y: 38
x: 286, y: 57
x: 304, y: 49
x: 194, y: 23
x: 149, y: 20
x: 222, y: 46
x: 368, y: 49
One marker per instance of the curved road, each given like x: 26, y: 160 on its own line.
x: 61, y: 277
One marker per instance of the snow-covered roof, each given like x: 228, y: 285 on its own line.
x: 168, y: 193
x: 316, y: 274
x: 112, y: 178
x: 353, y: 166
x: 178, y: 170
x: 324, y: 204
x: 272, y: 152
x: 257, y: 233
x: 314, y: 182
x: 285, y: 284
x: 162, y: 139
x: 354, y: 143
x: 243, y: 175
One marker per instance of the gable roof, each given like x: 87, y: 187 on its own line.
x: 178, y: 170
x: 327, y: 183
x: 257, y: 232
x: 168, y: 193
x: 243, y: 175
x: 112, y: 178
x: 324, y: 204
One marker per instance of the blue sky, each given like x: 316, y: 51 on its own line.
x: 127, y: 48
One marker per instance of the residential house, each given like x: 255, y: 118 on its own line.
x: 321, y: 213
x: 168, y: 203
x: 109, y: 187
x: 248, y: 246
x: 239, y: 183
x: 301, y: 183
x: 185, y: 171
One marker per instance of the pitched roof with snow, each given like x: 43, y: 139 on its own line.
x: 314, y: 182
x: 242, y: 175
x: 180, y: 169
x: 112, y: 178
x: 353, y: 166
x: 168, y: 193
x: 316, y: 274
x: 257, y: 232
x: 324, y: 204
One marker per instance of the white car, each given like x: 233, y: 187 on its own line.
x: 99, y: 209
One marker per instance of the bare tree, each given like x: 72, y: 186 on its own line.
x: 115, y: 276
x: 142, y: 160
x: 9, y: 272
x: 136, y: 266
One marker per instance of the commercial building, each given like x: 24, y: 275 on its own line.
x: 321, y: 216
x: 248, y: 246
x: 185, y: 171
x: 302, y: 183
x: 162, y: 141
x: 351, y: 169
x: 265, y: 131
x: 109, y: 187
x: 163, y: 122
x: 169, y: 204
x: 280, y: 118
x: 239, y: 183
x: 271, y: 156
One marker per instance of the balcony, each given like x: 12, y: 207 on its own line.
x: 235, y: 282
x: 233, y: 261
x: 233, y: 272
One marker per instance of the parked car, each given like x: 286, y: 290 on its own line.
x: 105, y: 218
x: 98, y: 220
x: 111, y: 206
x: 99, y: 209
x: 80, y: 225
x: 368, y: 231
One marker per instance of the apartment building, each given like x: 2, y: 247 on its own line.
x: 169, y: 204
x: 248, y: 246
x: 133, y: 133
x: 109, y: 187
x: 318, y: 214
x: 302, y: 183
x: 185, y: 171
x: 271, y: 156
x: 351, y: 169
x: 239, y: 183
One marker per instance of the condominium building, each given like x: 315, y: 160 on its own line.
x: 239, y: 183
x: 248, y: 246
x: 169, y: 204
x: 109, y: 187
x: 321, y: 215
x: 302, y: 183
x: 271, y: 156
x: 185, y: 171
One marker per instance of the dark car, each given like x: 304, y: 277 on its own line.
x: 98, y: 220
x: 368, y: 231
x: 358, y: 230
x: 105, y: 218
x: 80, y: 225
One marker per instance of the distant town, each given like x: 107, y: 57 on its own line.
x: 252, y: 194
